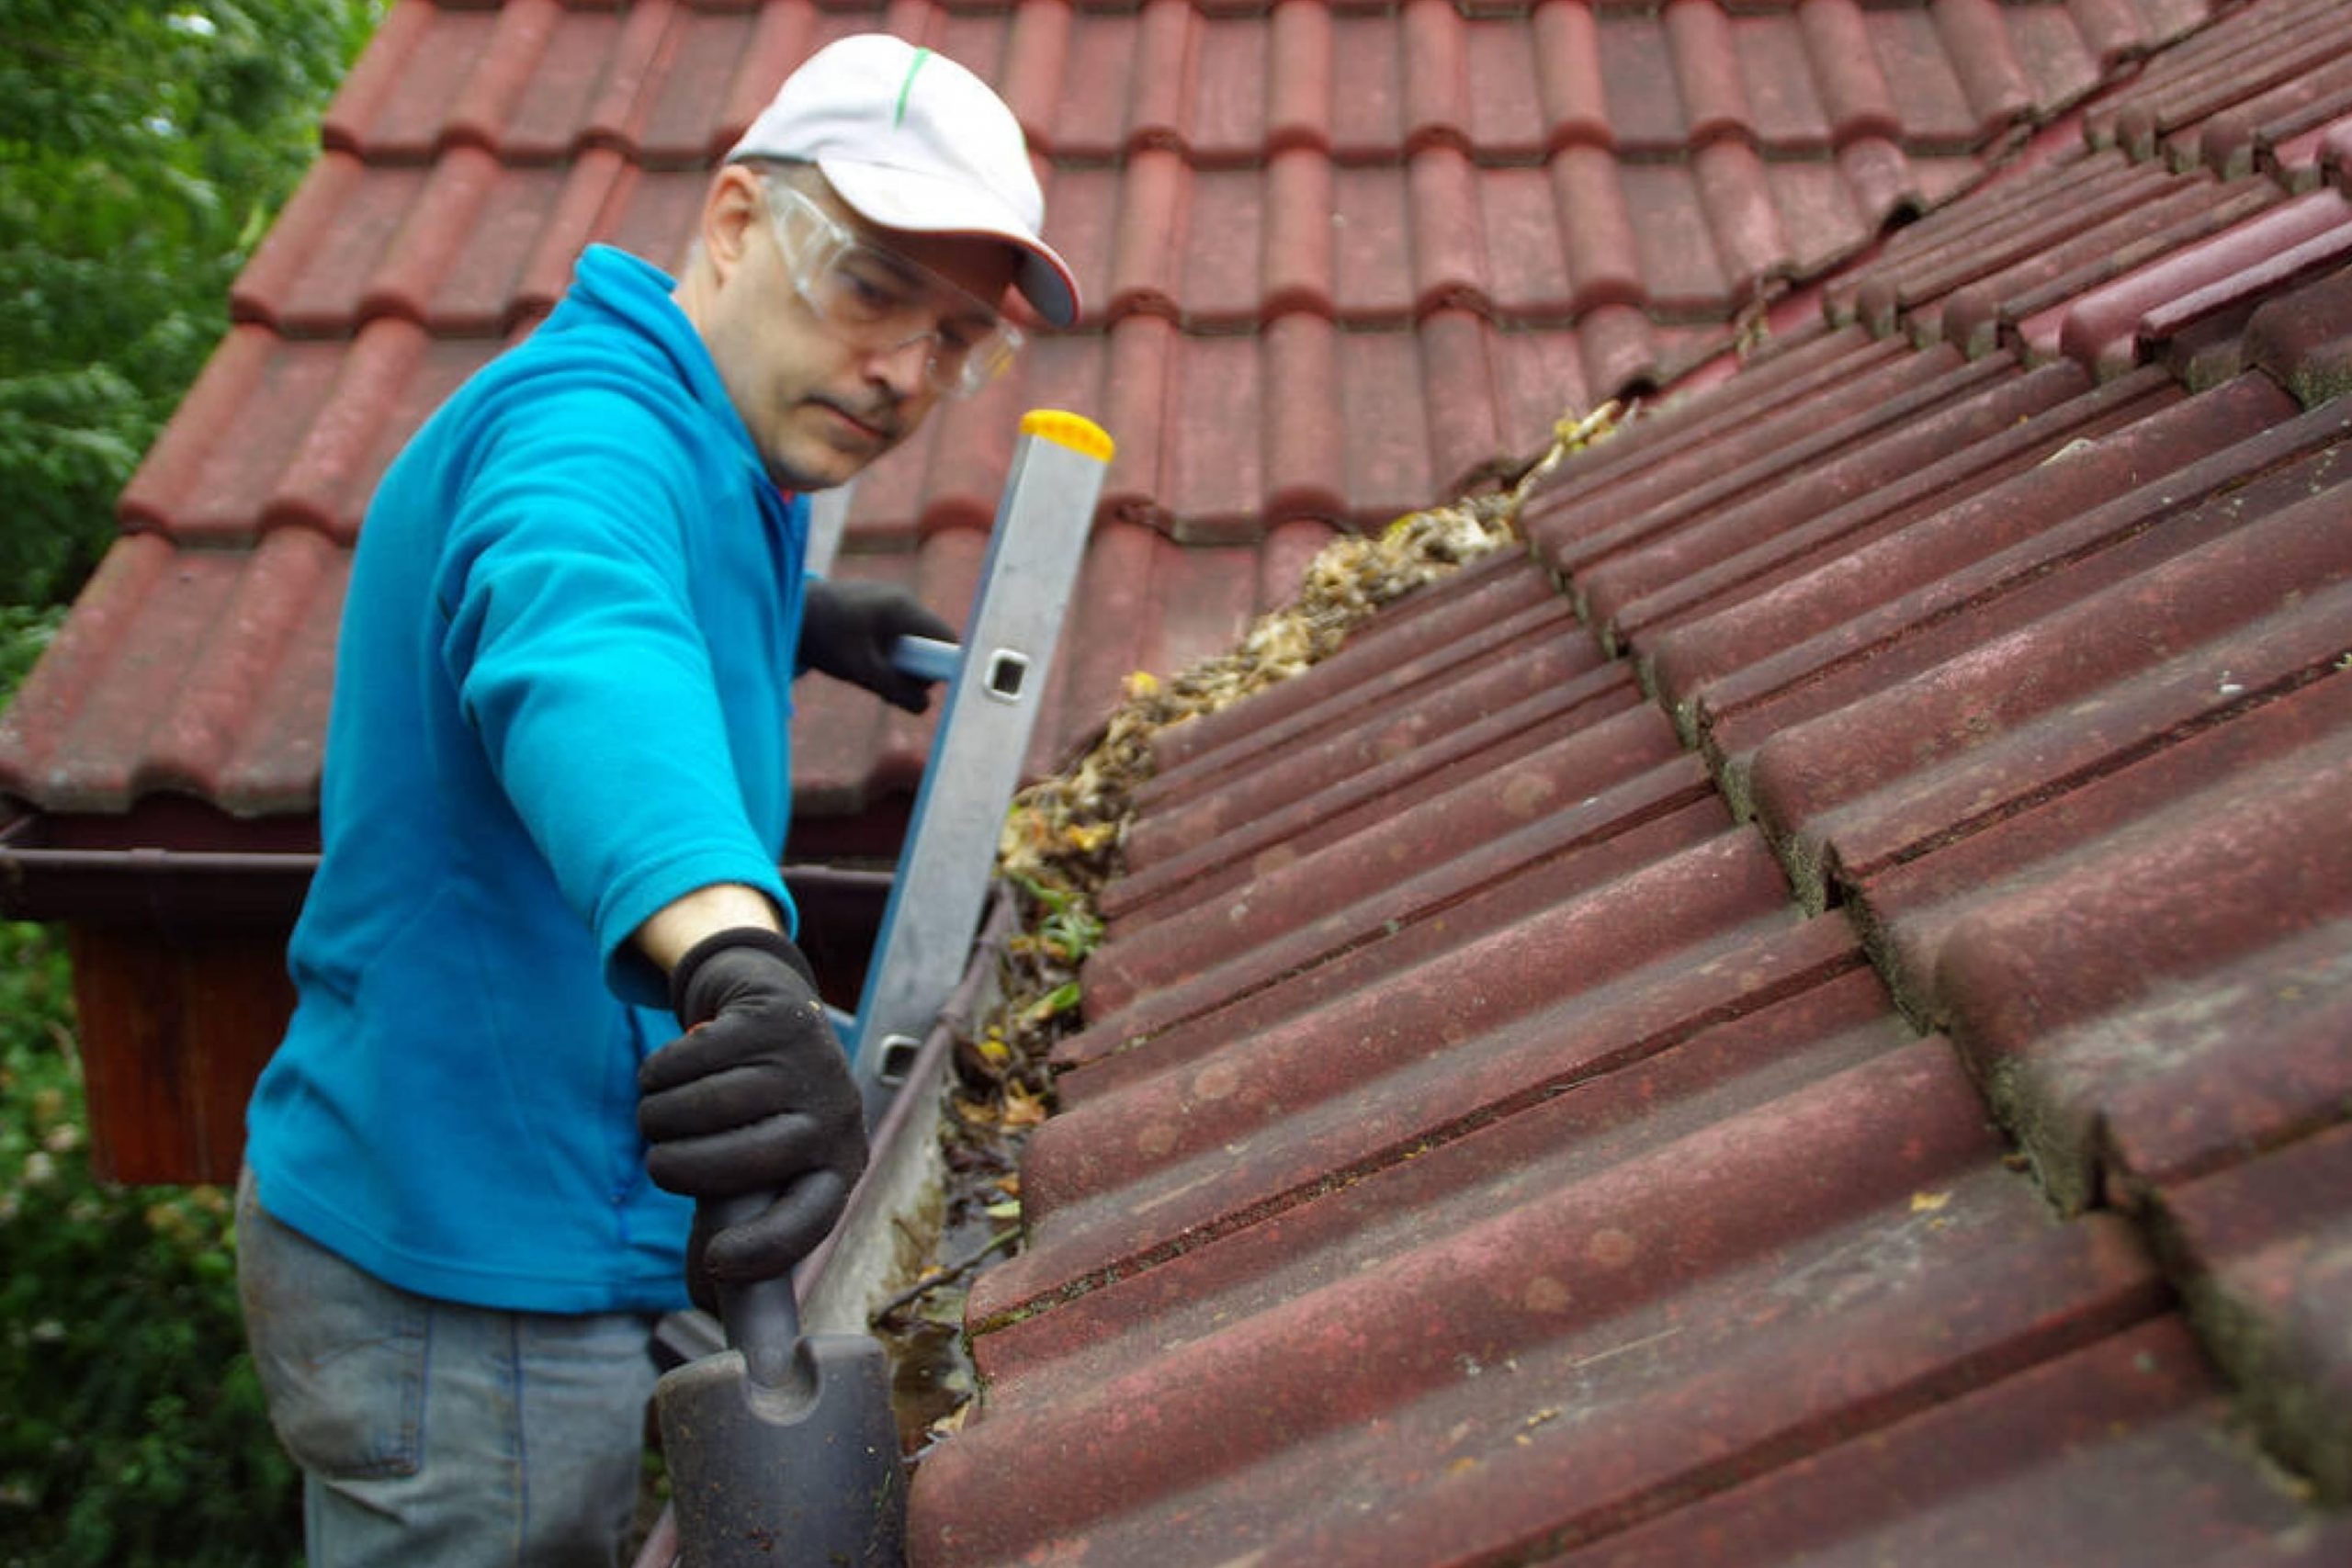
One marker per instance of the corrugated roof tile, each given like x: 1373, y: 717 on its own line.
x: 1856, y: 96
x: 1458, y: 382
x: 1424, y: 622
x: 2109, y: 1452
x: 2101, y: 328
x: 1674, y: 248
x: 2114, y: 30
x: 1384, y: 419
x: 1305, y: 474
x: 1950, y: 465
x: 1433, y: 37
x: 1754, y: 1059
x: 2234, y: 140
x: 1707, y: 72
x: 1976, y: 42
x: 1159, y: 107
x: 1088, y: 118
x: 1300, y: 233
x: 2304, y: 338
x: 1319, y: 894
x: 1211, y: 486
x: 2077, y: 943
x: 2052, y: 52
x: 1635, y: 60
x: 1482, y: 1091
x: 1369, y: 1074
x: 1919, y: 901
x: 325, y: 484
x: 1502, y: 119
x: 1525, y: 654
x: 1885, y: 186
x: 1229, y: 118
x: 1370, y: 244
x: 2279, y: 51
x: 1797, y: 635
x: 2164, y: 612
x: 2269, y: 1249
x: 1568, y: 1297
x: 1366, y: 108
x: 1520, y: 231
x: 1449, y: 264
x: 1744, y: 225
x: 1036, y: 54
x: 228, y: 493
x: 154, y: 687
x: 1537, y: 368
x: 1784, y: 442
x: 1207, y: 596
x: 1184, y: 874
x: 1566, y: 39
x: 519, y: 39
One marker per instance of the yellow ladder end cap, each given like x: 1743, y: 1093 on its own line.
x: 1074, y: 431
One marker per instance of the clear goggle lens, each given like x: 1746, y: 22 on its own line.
x: 882, y: 302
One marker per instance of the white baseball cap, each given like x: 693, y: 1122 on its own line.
x: 912, y: 141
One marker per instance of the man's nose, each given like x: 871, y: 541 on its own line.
x: 904, y: 369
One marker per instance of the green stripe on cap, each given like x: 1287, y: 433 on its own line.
x: 906, y: 87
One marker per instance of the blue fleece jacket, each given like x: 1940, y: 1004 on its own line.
x: 559, y: 702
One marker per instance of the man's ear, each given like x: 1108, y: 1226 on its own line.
x: 735, y: 203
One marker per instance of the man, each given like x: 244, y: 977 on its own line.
x: 555, y: 800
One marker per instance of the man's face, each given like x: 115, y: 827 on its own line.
x: 819, y: 403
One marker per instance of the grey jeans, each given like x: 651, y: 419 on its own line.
x: 431, y: 1433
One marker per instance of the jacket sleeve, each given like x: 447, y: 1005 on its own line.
x: 572, y: 644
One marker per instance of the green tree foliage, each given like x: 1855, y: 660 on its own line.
x: 144, y: 146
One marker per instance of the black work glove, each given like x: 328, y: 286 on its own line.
x: 755, y: 1097
x: 847, y: 629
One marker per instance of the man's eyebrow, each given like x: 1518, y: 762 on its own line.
x: 904, y: 269
x: 907, y: 270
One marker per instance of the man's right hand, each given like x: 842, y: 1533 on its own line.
x: 755, y: 1097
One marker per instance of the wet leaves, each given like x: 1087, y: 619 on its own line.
x: 1061, y: 841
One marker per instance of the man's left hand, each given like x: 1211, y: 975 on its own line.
x: 847, y: 629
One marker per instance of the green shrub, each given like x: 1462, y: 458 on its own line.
x: 132, y: 1426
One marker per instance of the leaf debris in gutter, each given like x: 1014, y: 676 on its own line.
x: 1061, y: 843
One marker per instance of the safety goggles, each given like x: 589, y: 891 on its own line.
x: 880, y: 302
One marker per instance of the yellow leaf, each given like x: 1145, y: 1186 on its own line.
x: 1021, y: 1108
x: 1929, y: 1203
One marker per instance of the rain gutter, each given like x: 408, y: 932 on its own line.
x: 40, y: 880
x: 148, y: 884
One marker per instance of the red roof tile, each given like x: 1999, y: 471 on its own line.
x: 1338, y: 262
x: 1837, y: 1054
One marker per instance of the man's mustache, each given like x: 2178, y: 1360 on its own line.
x: 886, y: 414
